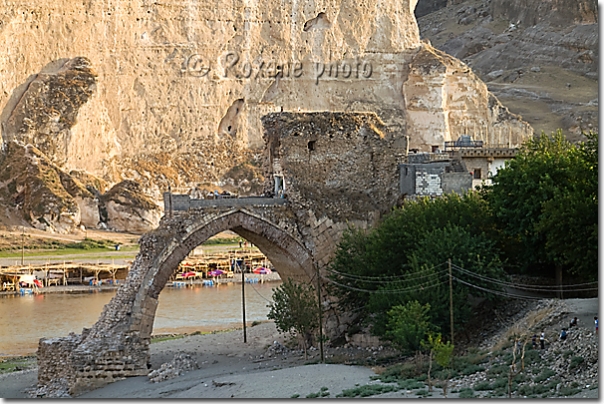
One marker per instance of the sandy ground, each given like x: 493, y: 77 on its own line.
x: 230, y: 368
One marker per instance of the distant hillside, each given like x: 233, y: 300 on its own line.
x: 539, y: 58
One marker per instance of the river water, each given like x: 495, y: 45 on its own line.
x: 26, y: 319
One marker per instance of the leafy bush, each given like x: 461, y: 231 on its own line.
x: 408, y: 325
x: 403, y: 258
x: 295, y: 311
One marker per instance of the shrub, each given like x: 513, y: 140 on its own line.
x: 498, y: 370
x: 410, y: 384
x: 483, y: 386
x: 545, y: 374
x: 471, y: 369
x: 466, y: 393
x: 575, y: 361
x: 408, y: 325
x: 422, y: 392
x: 368, y: 390
x: 568, y: 391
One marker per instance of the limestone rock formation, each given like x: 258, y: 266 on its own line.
x: 48, y: 198
x: 47, y: 109
x: 174, y: 91
x: 53, y: 200
x: 540, y: 58
x: 127, y: 209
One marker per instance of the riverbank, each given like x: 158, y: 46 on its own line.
x: 263, y: 367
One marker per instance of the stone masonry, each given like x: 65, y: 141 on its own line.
x: 336, y: 169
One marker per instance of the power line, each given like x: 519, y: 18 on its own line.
x: 252, y: 285
x: 372, y: 280
x: 388, y: 278
x: 495, y: 292
x: 564, y: 288
x: 420, y: 288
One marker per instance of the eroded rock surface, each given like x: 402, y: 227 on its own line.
x: 128, y: 209
x: 48, y: 108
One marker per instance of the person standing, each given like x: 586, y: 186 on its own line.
x: 542, y: 340
x: 596, y: 323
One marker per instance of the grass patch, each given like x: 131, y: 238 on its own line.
x: 410, y: 384
x: 466, y: 393
x: 368, y: 390
x: 222, y: 241
x: 17, y: 363
x: 483, y: 386
x: 545, y: 374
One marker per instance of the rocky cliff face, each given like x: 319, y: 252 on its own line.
x: 539, y: 57
x: 172, y: 93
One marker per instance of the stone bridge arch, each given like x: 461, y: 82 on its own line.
x: 117, y: 345
x: 285, y: 252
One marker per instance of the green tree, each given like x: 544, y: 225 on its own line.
x: 442, y: 353
x: 403, y: 259
x: 570, y: 218
x: 545, y: 202
x: 408, y: 325
x: 400, y: 245
x: 295, y: 311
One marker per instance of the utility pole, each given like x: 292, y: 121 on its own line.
x: 22, y: 245
x: 243, y: 300
x: 320, y: 314
x: 451, y: 299
x: 170, y: 200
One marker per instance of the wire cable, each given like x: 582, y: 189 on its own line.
x: 360, y: 279
x: 383, y: 279
x: 387, y: 291
x: 505, y: 294
x: 563, y: 288
x: 255, y: 290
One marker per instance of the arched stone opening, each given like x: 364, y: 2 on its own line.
x: 286, y: 253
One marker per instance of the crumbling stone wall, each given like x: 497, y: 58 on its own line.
x: 340, y: 169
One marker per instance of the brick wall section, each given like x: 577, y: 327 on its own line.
x: 347, y: 177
